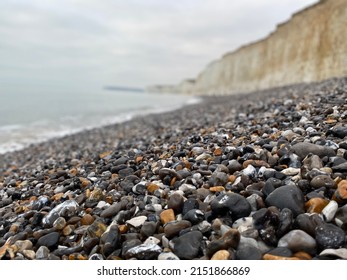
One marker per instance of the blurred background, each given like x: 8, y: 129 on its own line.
x: 69, y: 65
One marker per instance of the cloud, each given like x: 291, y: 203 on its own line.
x: 93, y: 43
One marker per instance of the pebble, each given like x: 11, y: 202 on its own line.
x: 322, y: 181
x: 187, y: 246
x: 42, y: 253
x: 167, y: 256
x: 330, y: 210
x: 302, y: 149
x: 298, y: 240
x: 49, y: 240
x: 221, y: 255
x: 227, y: 178
x: 171, y: 229
x: 341, y: 192
x: 329, y: 236
x: 339, y: 253
x: 234, y: 203
x: 248, y: 252
x: 167, y: 216
x: 316, y: 205
x: 137, y: 221
x: 144, y: 252
x: 230, y: 239
x: 288, y: 196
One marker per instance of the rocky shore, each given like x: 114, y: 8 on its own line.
x: 253, y: 176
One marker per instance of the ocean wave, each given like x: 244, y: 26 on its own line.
x: 17, y: 137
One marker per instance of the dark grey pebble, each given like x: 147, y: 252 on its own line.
x: 288, y: 196
x: 49, y: 240
x: 234, y: 203
x: 248, y: 252
x: 308, y: 223
x: 330, y: 236
x: 302, y: 149
x: 187, y: 246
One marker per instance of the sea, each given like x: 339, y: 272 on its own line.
x: 36, y: 116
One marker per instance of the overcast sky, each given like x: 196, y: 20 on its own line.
x: 92, y: 43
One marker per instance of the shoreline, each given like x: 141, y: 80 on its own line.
x: 147, y: 187
x: 51, y: 133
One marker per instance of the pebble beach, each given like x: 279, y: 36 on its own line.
x: 257, y: 176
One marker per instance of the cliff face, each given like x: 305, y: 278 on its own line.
x: 311, y: 46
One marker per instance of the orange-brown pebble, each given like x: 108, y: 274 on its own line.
x: 13, y: 228
x: 330, y: 121
x: 151, y: 188
x: 85, y: 182
x: 138, y: 159
x: 316, y: 205
x: 123, y: 229
x: 68, y: 230
x: 278, y: 258
x: 167, y: 216
x: 73, y: 171
x: 302, y: 256
x: 173, y: 181
x: 341, y: 192
x: 232, y: 178
x: 77, y: 256
x: 187, y: 164
x: 105, y: 154
x: 218, y: 152
x: 109, y: 199
x: 19, y: 209
x: 57, y: 196
x: 87, y: 219
x: 255, y: 163
x: 217, y: 189
x: 221, y: 255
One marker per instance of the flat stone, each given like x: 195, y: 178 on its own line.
x: 322, y: 181
x: 171, y: 229
x: 167, y: 216
x: 302, y: 149
x: 291, y: 171
x: 49, y: 240
x: 221, y: 255
x: 112, y: 210
x: 137, y: 221
x: 187, y: 246
x: 298, y: 240
x: 340, y: 253
x: 288, y: 196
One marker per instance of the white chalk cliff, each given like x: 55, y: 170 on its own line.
x: 311, y: 46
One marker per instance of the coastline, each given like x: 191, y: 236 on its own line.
x: 144, y: 188
x: 40, y: 131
